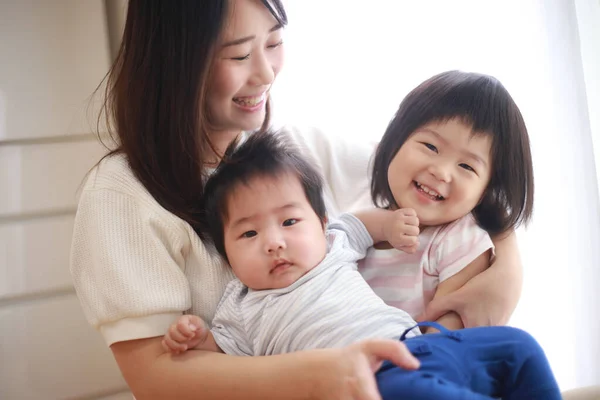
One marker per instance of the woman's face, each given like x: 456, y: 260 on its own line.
x: 248, y: 59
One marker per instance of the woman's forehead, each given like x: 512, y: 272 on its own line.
x: 248, y: 18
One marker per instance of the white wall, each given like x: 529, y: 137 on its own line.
x: 52, y: 56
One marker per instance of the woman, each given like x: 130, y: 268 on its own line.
x: 189, y: 78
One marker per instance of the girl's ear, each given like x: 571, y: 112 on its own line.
x: 324, y: 222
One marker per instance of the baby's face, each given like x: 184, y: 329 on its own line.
x: 272, y: 234
x: 441, y: 171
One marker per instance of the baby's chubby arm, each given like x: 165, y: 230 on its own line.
x: 189, y: 332
x: 400, y: 228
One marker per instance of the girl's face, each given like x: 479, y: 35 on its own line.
x: 441, y: 171
x: 248, y: 58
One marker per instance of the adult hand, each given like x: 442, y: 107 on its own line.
x: 348, y: 373
x: 482, y: 301
x: 401, y: 230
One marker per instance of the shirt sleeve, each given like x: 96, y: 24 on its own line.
x: 357, y: 234
x: 127, y: 266
x: 456, y: 246
x: 344, y: 164
x: 228, y: 323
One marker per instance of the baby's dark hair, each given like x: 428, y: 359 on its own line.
x: 262, y: 155
x: 481, y: 102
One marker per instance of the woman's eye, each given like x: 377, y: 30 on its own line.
x: 247, y: 56
x: 467, y: 167
x: 290, y: 222
x: 430, y: 147
x: 249, y: 234
x: 275, y: 45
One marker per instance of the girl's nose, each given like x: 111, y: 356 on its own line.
x: 441, y: 172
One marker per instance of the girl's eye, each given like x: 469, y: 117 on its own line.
x: 431, y: 147
x: 273, y: 46
x: 467, y: 167
x: 249, y: 234
x: 290, y: 222
x: 247, y: 56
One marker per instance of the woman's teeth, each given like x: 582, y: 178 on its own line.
x: 249, y: 101
x: 432, y: 193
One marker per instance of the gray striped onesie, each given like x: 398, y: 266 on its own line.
x: 330, y: 306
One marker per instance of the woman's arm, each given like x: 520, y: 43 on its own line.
x: 346, y: 373
x: 452, y: 320
x: 489, y: 298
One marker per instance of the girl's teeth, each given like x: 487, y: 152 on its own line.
x: 430, y: 192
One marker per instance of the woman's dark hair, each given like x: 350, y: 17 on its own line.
x: 155, y: 100
x: 262, y: 155
x: 481, y: 102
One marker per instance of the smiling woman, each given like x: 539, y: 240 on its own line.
x: 247, y: 61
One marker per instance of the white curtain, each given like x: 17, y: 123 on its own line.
x: 350, y: 63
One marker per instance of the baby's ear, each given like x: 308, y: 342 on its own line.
x: 324, y: 222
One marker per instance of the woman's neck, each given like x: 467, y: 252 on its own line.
x: 220, y: 141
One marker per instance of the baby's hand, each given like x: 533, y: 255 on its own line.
x: 187, y: 333
x: 402, y: 230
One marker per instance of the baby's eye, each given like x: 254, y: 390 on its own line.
x: 290, y: 222
x: 431, y: 147
x: 249, y: 234
x: 467, y: 167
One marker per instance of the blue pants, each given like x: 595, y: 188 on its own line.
x: 471, y: 364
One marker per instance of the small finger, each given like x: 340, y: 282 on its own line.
x: 176, y: 334
x: 412, y: 220
x: 408, y: 241
x: 411, y: 230
x: 186, y: 328
x: 174, y: 345
x: 408, y: 212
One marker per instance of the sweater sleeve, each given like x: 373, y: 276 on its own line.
x: 127, y: 266
x: 344, y: 164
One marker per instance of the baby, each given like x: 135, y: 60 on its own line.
x: 298, y: 288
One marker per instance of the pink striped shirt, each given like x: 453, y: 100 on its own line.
x: 408, y: 281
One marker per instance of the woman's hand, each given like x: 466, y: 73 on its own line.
x: 490, y: 297
x: 349, y: 373
x: 345, y: 373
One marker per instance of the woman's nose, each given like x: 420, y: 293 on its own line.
x: 263, y: 71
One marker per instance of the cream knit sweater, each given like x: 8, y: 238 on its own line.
x: 136, y: 267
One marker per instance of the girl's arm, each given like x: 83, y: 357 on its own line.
x: 346, y: 373
x: 490, y: 297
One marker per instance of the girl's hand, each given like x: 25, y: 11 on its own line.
x: 401, y: 230
x: 349, y: 373
x: 188, y: 332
